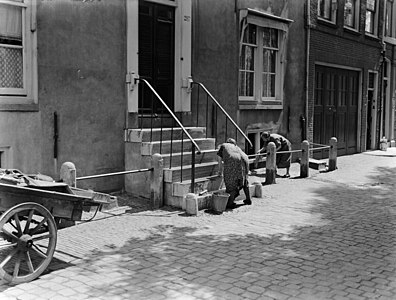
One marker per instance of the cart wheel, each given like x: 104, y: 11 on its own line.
x: 27, y: 242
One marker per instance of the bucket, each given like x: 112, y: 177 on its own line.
x: 219, y: 201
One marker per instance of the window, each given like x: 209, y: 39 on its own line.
x: 246, y: 62
x: 371, y: 17
x: 261, y: 69
x: 255, y: 137
x: 390, y: 22
x: 270, y: 54
x: 259, y: 64
x: 17, y: 52
x: 351, y: 14
x: 327, y: 9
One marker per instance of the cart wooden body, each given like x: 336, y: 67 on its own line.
x: 30, y: 217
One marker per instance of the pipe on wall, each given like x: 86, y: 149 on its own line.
x: 304, y: 119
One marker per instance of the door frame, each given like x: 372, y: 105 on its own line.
x: 359, y: 102
x: 373, y: 109
x: 183, y: 53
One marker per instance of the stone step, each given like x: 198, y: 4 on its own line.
x: 205, y: 200
x: 149, y: 148
x: 180, y: 174
x: 201, y: 185
x: 203, y: 157
x: 317, y: 164
x: 138, y: 135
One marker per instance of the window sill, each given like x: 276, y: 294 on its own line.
x: 260, y: 106
x: 372, y: 36
x: 327, y: 22
x: 33, y: 107
x: 351, y: 30
x: 390, y: 40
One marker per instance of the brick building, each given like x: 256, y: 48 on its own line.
x: 346, y: 96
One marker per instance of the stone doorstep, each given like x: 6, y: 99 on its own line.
x: 317, y: 164
x: 202, y: 170
x: 201, y: 184
x: 143, y: 135
x: 149, y: 148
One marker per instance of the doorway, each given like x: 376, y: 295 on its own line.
x: 335, y: 109
x: 156, y: 55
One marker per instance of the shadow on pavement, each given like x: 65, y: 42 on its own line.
x: 352, y: 256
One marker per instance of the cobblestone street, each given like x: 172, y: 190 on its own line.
x: 330, y: 236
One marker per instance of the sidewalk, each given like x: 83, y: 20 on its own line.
x: 330, y: 236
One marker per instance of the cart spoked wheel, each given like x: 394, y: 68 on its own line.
x: 27, y: 242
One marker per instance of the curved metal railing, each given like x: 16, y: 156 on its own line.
x: 184, y: 131
x: 218, y: 106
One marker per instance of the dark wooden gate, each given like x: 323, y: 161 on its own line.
x: 335, y: 109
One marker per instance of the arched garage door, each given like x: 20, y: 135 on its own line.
x: 335, y: 109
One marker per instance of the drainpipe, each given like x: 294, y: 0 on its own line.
x: 304, y: 119
x: 381, y: 132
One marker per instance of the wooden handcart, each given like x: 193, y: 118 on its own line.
x: 32, y: 207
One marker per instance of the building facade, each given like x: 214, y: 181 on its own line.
x: 351, y: 81
x: 306, y: 69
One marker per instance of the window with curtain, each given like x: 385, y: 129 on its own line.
x: 17, y: 40
x: 390, y: 22
x: 351, y: 14
x: 270, y: 54
x: 246, y: 61
x: 260, y: 73
x: 11, y: 46
x: 371, y: 17
x: 327, y: 10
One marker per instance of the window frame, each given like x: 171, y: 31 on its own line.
x: 333, y: 11
x: 255, y: 48
x: 390, y: 19
x: 258, y: 97
x: 356, y: 15
x: 374, y: 19
x: 25, y: 98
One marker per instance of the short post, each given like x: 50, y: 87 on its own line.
x: 304, y: 164
x: 156, y: 178
x: 270, y: 164
x: 191, y: 204
x: 333, y: 154
x: 68, y: 174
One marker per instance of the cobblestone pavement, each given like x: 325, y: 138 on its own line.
x: 331, y: 236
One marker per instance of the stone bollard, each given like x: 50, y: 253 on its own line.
x: 270, y: 164
x: 191, y: 204
x: 333, y: 154
x: 157, y: 182
x: 68, y: 174
x: 304, y: 164
x: 258, y: 191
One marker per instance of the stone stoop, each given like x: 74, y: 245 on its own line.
x: 177, y: 180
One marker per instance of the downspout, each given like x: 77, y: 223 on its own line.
x: 304, y: 118
x: 393, y: 95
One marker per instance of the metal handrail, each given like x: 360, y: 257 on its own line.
x: 223, y: 110
x: 171, y: 113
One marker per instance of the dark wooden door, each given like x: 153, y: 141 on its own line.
x: 335, y: 109
x: 156, y: 54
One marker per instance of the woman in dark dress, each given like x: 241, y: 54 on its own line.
x: 283, y: 160
x: 235, y: 169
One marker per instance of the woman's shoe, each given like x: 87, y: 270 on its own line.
x: 247, y: 202
x: 231, y: 206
